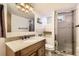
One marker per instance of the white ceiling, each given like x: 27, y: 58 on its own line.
x: 43, y: 9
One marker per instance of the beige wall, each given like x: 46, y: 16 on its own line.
x: 77, y: 30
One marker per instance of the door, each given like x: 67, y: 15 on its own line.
x: 1, y: 23
x: 64, y: 35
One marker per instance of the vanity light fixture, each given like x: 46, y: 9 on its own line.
x: 25, y: 7
x: 22, y: 9
x: 26, y: 11
x: 22, y: 4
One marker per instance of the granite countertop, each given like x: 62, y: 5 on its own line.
x: 21, y: 44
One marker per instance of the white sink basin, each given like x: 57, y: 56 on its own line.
x: 32, y: 39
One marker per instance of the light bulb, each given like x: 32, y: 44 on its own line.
x: 23, y: 9
x: 22, y: 4
x: 31, y: 8
x: 27, y: 6
x: 26, y: 11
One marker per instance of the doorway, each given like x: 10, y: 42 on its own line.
x: 65, y: 32
x: 1, y: 21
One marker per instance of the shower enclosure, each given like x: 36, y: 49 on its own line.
x: 65, y: 27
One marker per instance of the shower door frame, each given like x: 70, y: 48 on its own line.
x: 73, y: 40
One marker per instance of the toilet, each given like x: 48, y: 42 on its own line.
x: 49, y: 46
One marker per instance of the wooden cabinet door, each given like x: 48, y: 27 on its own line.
x: 41, y: 51
x: 34, y: 54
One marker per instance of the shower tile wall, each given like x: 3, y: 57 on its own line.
x: 64, y: 35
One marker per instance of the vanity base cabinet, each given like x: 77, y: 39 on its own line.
x: 37, y: 49
x: 41, y: 51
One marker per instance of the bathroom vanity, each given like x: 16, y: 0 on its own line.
x: 29, y: 47
x: 19, y: 27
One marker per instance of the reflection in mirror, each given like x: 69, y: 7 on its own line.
x: 19, y: 21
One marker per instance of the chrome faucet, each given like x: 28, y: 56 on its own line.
x: 25, y: 37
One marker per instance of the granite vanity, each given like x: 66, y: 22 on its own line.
x: 30, y: 47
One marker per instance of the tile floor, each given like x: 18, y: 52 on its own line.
x: 57, y: 54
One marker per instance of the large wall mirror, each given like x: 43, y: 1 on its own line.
x: 18, y: 20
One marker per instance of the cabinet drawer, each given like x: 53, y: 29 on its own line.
x: 41, y: 51
x: 31, y: 49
